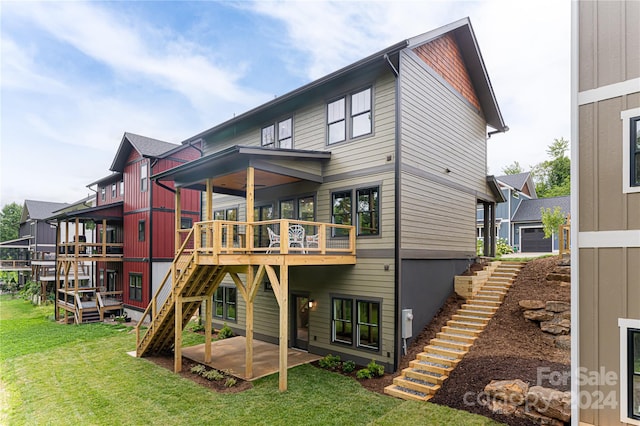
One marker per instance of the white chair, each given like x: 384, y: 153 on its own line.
x: 274, y: 239
x: 296, y: 236
x: 313, y: 241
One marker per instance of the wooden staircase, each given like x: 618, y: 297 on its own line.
x: 193, y: 280
x: 424, y: 376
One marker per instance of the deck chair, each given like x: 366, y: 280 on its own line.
x: 296, y: 236
x: 274, y: 239
x: 313, y: 241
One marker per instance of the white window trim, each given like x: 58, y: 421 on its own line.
x: 626, y: 116
x: 625, y: 324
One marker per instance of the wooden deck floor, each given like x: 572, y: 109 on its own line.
x: 229, y: 354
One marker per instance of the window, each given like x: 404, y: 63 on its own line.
x: 629, y: 370
x: 114, y: 189
x: 635, y: 151
x: 342, y: 321
x: 144, y: 180
x: 101, y: 281
x: 135, y: 287
x: 224, y: 303
x: 287, y: 209
x: 141, y: 230
x: 122, y: 187
x: 227, y: 214
x: 367, y: 211
x: 361, y: 113
x: 186, y: 223
x: 279, y: 135
x: 306, y: 210
x: 103, y: 193
x: 630, y: 150
x: 341, y: 202
x: 367, y: 323
x: 359, y: 106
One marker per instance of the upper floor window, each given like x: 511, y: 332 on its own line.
x: 368, y: 211
x: 630, y: 150
x: 144, y: 179
x: 113, y: 190
x: 141, y: 230
x: 103, y: 193
x: 342, y: 206
x: 359, y: 123
x: 635, y: 151
x: 122, y: 187
x: 278, y: 135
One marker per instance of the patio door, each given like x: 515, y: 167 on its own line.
x: 300, y: 323
x: 261, y: 236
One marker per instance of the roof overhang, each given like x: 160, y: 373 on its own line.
x: 228, y: 169
x: 494, y: 186
x: 17, y: 243
x: 108, y: 212
x: 113, y: 177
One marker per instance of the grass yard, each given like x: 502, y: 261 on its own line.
x: 64, y: 374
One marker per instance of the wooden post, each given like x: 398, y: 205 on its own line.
x: 178, y: 243
x: 57, y: 272
x: 284, y: 325
x: 177, y: 346
x: 486, y: 235
x: 248, y: 370
x: 209, y: 213
x: 208, y: 314
x: 250, y: 200
x: 103, y: 231
x: 76, y: 253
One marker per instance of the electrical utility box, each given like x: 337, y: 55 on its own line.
x: 407, y: 323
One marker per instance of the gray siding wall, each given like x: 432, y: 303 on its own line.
x: 439, y: 131
x: 608, y: 285
x: 357, y: 163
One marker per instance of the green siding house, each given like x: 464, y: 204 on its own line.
x: 394, y: 145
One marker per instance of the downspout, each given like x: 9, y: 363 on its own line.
x: 150, y: 173
x: 397, y: 270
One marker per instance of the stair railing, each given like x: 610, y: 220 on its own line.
x: 164, y: 292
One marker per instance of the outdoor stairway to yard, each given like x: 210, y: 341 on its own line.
x: 424, y: 376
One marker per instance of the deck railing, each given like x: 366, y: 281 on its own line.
x: 282, y: 236
x: 88, y: 250
x: 14, y: 264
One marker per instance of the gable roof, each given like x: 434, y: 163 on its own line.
x: 368, y: 67
x: 529, y: 210
x: 39, y: 210
x: 146, y: 147
x: 518, y: 182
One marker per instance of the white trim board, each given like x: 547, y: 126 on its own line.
x: 601, y: 239
x: 610, y: 91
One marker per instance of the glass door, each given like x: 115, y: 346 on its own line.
x: 300, y: 323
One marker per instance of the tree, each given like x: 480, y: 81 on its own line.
x: 10, y: 221
x: 551, y: 220
x: 513, y: 169
x: 553, y: 177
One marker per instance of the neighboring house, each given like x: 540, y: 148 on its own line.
x: 382, y: 163
x: 133, y: 221
x: 515, y: 189
x: 527, y: 230
x: 519, y: 218
x: 605, y: 257
x: 36, y: 239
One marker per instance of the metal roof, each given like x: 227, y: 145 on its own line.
x: 529, y: 210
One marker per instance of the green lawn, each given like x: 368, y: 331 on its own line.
x: 65, y: 374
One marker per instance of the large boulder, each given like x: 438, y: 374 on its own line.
x: 511, y: 391
x: 538, y: 315
x: 556, y: 326
x: 550, y: 402
x: 531, y: 304
x: 557, y: 306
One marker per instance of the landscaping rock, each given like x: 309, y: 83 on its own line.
x: 565, y: 315
x: 531, y: 304
x: 511, y: 391
x: 556, y: 326
x: 538, y: 315
x: 550, y: 402
x: 563, y: 342
x: 501, y: 407
x: 562, y: 270
x: 558, y: 277
x: 557, y: 306
x: 538, y: 418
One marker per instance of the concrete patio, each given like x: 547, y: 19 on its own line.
x: 229, y: 354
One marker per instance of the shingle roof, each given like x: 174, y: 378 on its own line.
x: 40, y: 210
x: 515, y: 181
x: 147, y: 147
x: 529, y: 210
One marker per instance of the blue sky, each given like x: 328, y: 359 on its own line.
x: 76, y: 75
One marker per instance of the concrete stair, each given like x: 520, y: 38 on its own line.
x: 424, y: 376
